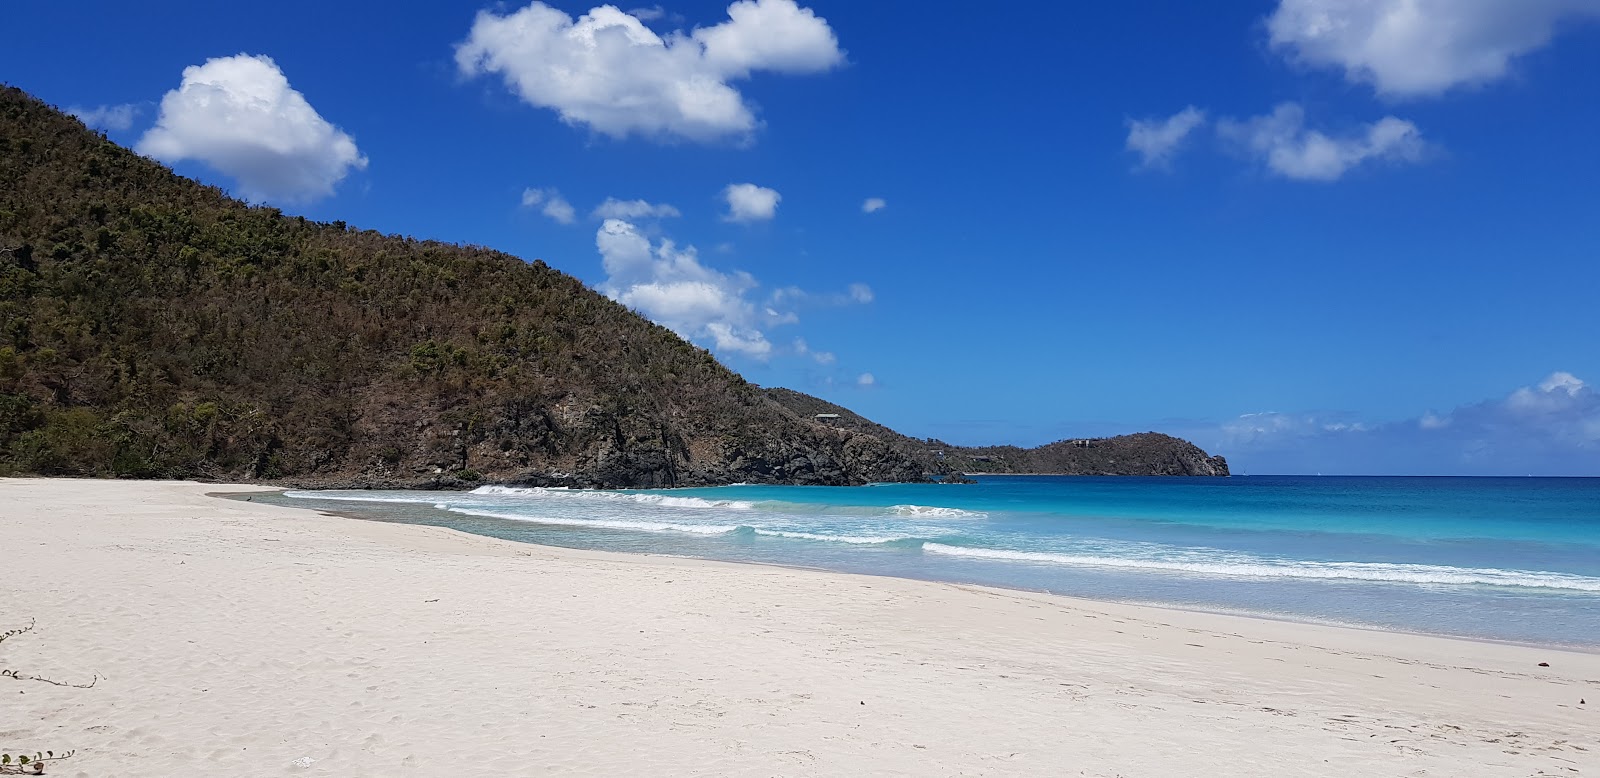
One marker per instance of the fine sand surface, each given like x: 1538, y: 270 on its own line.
x: 232, y: 639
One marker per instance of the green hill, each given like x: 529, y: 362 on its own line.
x: 1145, y: 453
x: 151, y: 326
x: 154, y: 327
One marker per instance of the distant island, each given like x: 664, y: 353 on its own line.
x: 153, y: 327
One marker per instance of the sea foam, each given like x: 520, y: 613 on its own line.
x: 353, y: 496
x: 622, y: 524
x: 1264, y: 568
x: 859, y: 540
x: 663, y: 500
x: 934, y: 512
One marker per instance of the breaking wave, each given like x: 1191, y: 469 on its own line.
x: 695, y: 529
x: 664, y: 500
x: 623, y: 524
x: 354, y: 496
x: 1267, y: 568
x: 859, y: 540
x: 935, y: 512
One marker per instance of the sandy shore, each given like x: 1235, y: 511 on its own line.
x: 233, y: 638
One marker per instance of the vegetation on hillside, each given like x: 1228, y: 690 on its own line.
x: 1146, y: 453
x: 151, y: 326
x: 154, y: 327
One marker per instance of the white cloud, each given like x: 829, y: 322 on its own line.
x: 107, y: 117
x: 1272, y: 427
x: 1433, y: 421
x: 239, y: 115
x: 651, y: 14
x: 748, y: 202
x: 1562, y: 381
x: 1283, y: 143
x: 866, y: 380
x: 855, y: 294
x: 611, y: 73
x: 671, y: 287
x: 821, y: 357
x: 554, y: 205
x: 1410, y: 48
x: 873, y: 205
x: 770, y: 35
x: 1157, y: 140
x: 1553, y: 395
x: 1560, y: 413
x: 1551, y: 428
x: 632, y: 210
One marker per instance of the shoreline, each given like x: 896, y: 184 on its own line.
x: 233, y: 637
x: 1078, y: 600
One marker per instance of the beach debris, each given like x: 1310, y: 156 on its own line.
x: 13, y: 674
x: 32, y: 764
x: 1544, y: 664
x: 303, y: 762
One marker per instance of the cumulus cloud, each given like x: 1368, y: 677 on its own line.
x: 1555, y: 394
x: 866, y: 380
x: 106, y: 117
x: 550, y: 203
x: 240, y: 116
x: 670, y: 286
x: 861, y: 293
x: 632, y: 210
x: 1550, y: 428
x: 609, y: 72
x: 750, y: 203
x: 1410, y: 48
x: 1157, y: 140
x: 873, y: 205
x: 1282, y: 142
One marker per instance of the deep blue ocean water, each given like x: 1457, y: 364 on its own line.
x: 1498, y: 558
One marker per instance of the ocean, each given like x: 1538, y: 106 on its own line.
x: 1513, y: 559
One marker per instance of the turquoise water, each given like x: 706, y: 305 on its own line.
x: 1499, y: 558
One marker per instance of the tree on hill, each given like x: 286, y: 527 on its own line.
x: 151, y: 326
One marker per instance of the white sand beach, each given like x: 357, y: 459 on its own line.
x: 233, y: 639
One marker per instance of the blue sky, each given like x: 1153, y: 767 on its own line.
x: 1341, y: 236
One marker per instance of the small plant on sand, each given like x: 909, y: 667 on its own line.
x: 11, y: 633
x: 25, y: 764
x: 34, y: 763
